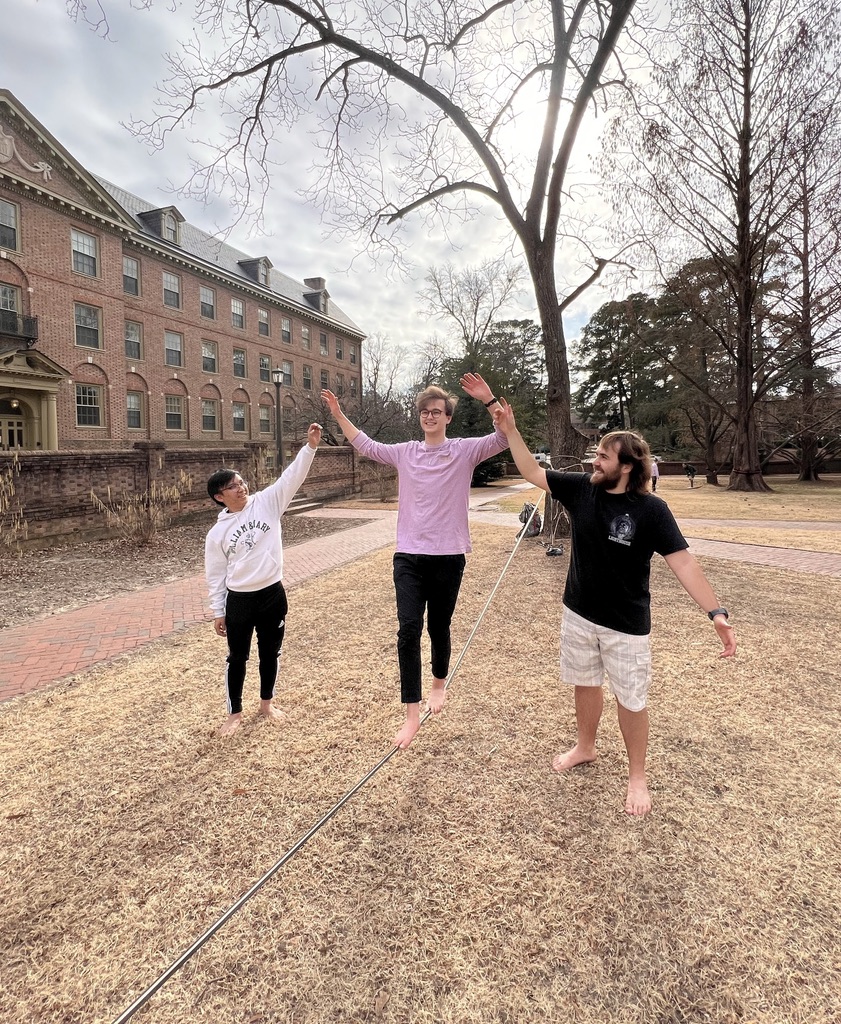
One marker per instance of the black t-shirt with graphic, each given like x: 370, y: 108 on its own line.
x: 613, y: 539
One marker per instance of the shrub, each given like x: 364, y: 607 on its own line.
x: 138, y: 517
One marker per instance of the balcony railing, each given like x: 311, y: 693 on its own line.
x: 15, y: 325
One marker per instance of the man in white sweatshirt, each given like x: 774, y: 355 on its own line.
x: 243, y: 560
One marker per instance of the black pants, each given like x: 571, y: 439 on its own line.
x: 431, y: 583
x: 263, y: 611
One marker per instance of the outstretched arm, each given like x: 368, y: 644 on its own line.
x: 503, y: 416
x: 691, y: 577
x: 348, y: 429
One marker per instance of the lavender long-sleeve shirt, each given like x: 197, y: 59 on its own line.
x: 434, y: 488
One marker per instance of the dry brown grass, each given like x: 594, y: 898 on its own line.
x: 828, y: 541
x: 467, y: 882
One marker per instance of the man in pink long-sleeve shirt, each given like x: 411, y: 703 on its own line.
x: 433, y: 537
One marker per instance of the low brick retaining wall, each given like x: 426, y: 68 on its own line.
x: 52, y: 489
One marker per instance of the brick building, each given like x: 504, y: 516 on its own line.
x: 120, y: 322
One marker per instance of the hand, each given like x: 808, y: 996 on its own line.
x: 332, y: 403
x: 314, y: 435
x: 726, y: 635
x: 503, y: 416
x: 476, y: 387
x: 219, y: 626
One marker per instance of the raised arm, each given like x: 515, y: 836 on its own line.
x: 503, y: 416
x: 348, y: 429
x: 475, y: 386
x: 691, y: 577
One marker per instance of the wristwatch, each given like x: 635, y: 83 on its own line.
x: 488, y: 404
x: 718, y: 611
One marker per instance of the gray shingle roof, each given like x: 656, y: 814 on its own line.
x: 221, y: 256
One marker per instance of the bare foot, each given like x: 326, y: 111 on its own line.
x: 230, y: 725
x: 273, y: 714
x: 410, y: 727
x: 569, y: 759
x: 638, y: 800
x: 437, y: 696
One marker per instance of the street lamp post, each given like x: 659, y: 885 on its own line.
x: 277, y: 377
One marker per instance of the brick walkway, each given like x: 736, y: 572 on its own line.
x: 37, y: 655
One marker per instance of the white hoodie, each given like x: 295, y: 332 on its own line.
x: 243, y: 550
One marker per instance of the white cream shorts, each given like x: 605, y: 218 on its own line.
x: 589, y: 653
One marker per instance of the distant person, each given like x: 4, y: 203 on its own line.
x: 655, y: 474
x: 690, y: 471
x: 243, y: 557
x: 433, y: 536
x: 617, y: 525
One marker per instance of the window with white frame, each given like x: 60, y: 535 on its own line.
x: 88, y: 405
x: 305, y: 337
x: 286, y: 330
x: 265, y: 419
x: 265, y: 368
x: 8, y: 225
x: 239, y: 412
x: 340, y: 352
x: 288, y: 420
x: 262, y: 272
x: 207, y: 302
x: 340, y: 384
x: 173, y: 348
x: 325, y: 378
x: 239, y: 362
x: 209, y: 356
x: 9, y: 308
x: 353, y: 387
x: 172, y: 290
x: 323, y: 344
x: 209, y: 414
x: 306, y: 377
x: 237, y: 313
x: 84, y: 251
x: 286, y: 366
x: 263, y: 322
x: 131, y: 275
x: 134, y: 409
x: 351, y: 349
x: 133, y: 335
x: 170, y: 227
x: 88, y: 321
x: 174, y: 412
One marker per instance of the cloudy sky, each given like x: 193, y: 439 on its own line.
x: 83, y: 88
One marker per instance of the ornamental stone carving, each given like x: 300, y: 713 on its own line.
x: 9, y: 151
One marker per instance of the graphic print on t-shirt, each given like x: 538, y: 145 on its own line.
x: 622, y: 530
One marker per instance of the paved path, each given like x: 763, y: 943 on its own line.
x: 38, y: 654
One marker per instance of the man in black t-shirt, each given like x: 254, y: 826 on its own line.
x: 617, y: 525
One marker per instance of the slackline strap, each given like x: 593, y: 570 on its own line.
x: 142, y: 999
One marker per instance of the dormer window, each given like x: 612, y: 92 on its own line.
x: 165, y: 222
x: 257, y: 269
x: 318, y: 295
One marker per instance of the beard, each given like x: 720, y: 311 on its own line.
x: 598, y: 478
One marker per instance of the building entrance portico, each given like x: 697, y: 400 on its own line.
x: 29, y: 383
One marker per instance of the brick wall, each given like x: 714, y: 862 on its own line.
x: 53, y: 490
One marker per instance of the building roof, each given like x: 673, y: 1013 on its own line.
x: 224, y: 258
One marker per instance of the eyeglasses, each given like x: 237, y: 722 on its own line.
x: 234, y: 485
x: 432, y: 413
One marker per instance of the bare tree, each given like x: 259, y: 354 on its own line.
x: 711, y: 143
x: 471, y: 298
x: 420, y: 108
x: 811, y: 242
